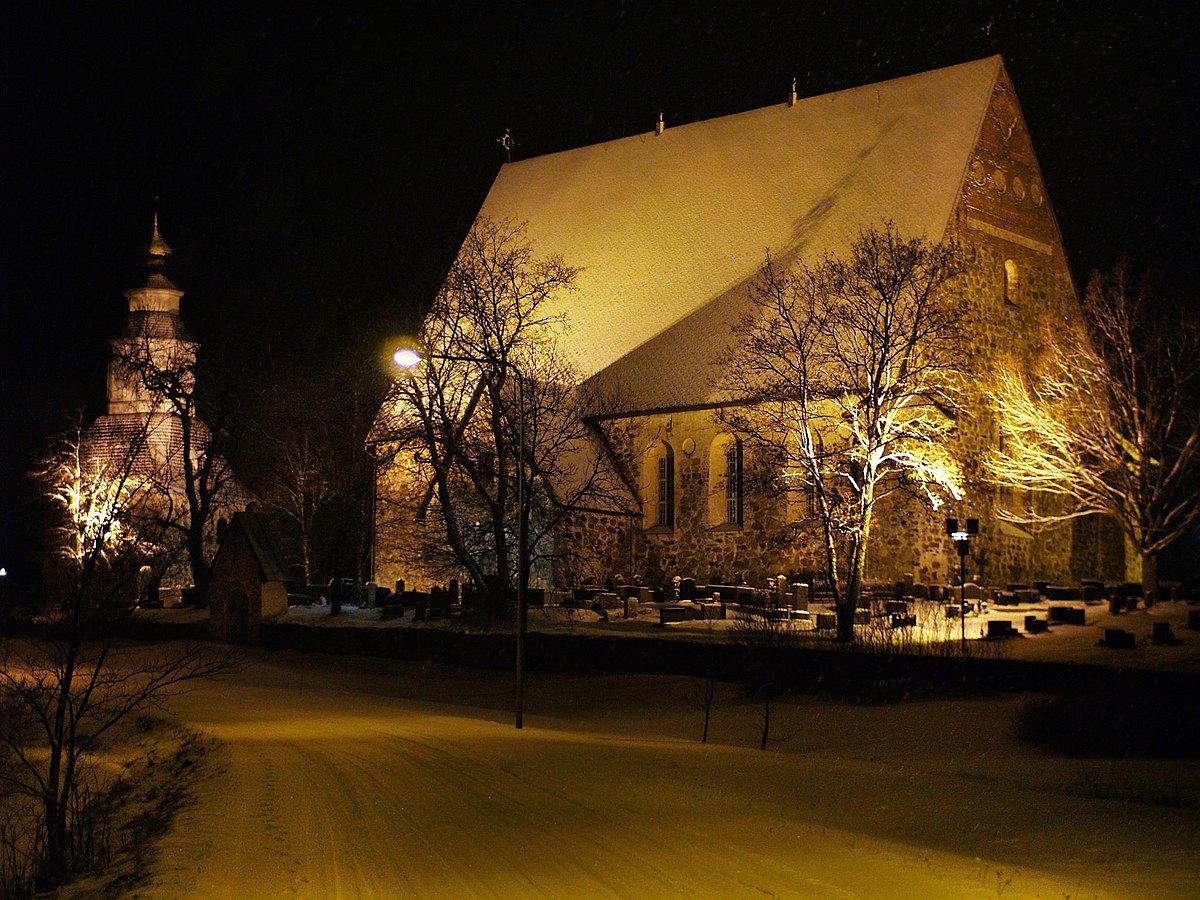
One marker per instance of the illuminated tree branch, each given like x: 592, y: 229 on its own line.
x: 1107, y: 421
x: 851, y: 368
x: 492, y: 370
x: 66, y: 685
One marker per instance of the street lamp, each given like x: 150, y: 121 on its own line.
x: 409, y: 358
x: 962, y: 541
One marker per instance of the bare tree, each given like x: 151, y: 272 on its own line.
x: 63, y: 689
x: 192, y: 433
x: 769, y: 637
x: 300, y: 489
x: 850, y: 371
x: 314, y: 476
x: 704, y: 693
x: 492, y: 377
x: 1107, y: 422
x: 568, y: 432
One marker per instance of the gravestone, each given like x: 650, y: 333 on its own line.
x: 670, y: 614
x: 1162, y: 634
x: 1035, y: 625
x: 1062, y: 592
x: 1068, y: 615
x: 1000, y: 628
x: 1119, y: 639
x: 799, y: 596
x: 606, y: 601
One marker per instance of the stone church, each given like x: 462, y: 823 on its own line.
x: 670, y: 227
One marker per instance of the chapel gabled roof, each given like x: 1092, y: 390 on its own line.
x: 256, y: 530
x: 669, y: 229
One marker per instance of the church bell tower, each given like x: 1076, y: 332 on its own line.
x: 153, y: 329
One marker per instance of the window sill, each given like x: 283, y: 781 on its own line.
x: 726, y: 527
x: 659, y: 529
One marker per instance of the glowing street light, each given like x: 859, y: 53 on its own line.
x: 406, y: 358
x: 409, y: 358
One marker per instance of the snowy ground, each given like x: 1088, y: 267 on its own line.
x: 352, y: 777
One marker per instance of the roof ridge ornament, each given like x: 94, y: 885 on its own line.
x: 660, y: 126
x: 792, y: 95
x: 158, y: 248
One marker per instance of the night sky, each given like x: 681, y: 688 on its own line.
x: 316, y: 170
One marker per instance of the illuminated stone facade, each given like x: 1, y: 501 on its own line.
x: 944, y: 154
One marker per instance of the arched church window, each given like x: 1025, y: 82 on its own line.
x: 660, y: 486
x: 1012, y: 282
x: 812, y: 505
x: 733, y: 483
x: 726, y: 481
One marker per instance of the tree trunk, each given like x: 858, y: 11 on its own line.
x: 57, y: 788
x: 848, y: 602
x: 198, y: 564
x: 54, y: 871
x: 766, y: 725
x: 335, y: 590
x: 306, y: 554
x: 1133, y: 560
x: 501, y: 601
x: 1150, y: 577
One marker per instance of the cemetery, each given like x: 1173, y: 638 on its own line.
x: 1110, y: 625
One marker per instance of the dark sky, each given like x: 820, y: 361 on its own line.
x: 316, y: 169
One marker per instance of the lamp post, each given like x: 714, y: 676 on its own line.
x: 408, y: 358
x: 962, y: 542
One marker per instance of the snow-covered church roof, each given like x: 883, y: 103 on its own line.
x: 669, y: 228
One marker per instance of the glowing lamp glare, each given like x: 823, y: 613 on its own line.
x: 406, y: 358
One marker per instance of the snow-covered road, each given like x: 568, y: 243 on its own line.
x: 342, y: 777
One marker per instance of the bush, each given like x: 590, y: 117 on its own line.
x: 1118, y: 724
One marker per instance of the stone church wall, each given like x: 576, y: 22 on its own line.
x: 1016, y: 291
